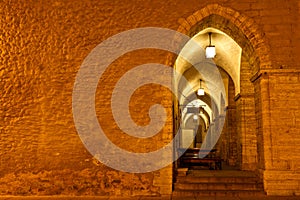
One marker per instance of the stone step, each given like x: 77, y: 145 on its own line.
x: 218, y: 186
x: 190, y: 179
x: 228, y: 193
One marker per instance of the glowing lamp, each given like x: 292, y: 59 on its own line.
x: 210, y: 49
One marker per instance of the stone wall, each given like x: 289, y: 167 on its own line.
x: 278, y: 132
x: 43, y: 44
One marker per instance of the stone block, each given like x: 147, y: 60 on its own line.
x: 182, y: 171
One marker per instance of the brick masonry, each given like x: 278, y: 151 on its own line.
x: 43, y: 44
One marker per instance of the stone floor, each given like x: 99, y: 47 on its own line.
x: 212, y: 173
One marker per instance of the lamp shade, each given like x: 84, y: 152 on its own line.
x: 195, y: 117
x: 210, y: 51
x: 201, y: 92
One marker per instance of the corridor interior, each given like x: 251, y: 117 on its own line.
x: 213, y: 119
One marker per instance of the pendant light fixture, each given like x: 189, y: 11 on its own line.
x: 195, y: 117
x: 210, y: 49
x: 201, y: 91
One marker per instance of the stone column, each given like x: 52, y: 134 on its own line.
x: 277, y: 98
x: 220, y: 121
x: 209, y: 135
x: 246, y: 128
x: 230, y: 138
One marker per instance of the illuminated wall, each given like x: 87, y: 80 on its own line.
x: 43, y: 44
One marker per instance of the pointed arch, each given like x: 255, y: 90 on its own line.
x: 224, y: 17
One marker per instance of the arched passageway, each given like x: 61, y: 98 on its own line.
x: 239, y: 57
x: 226, y: 116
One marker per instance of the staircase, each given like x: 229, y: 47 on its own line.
x: 217, y: 183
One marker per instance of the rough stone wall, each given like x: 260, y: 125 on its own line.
x: 42, y: 47
x: 43, y: 44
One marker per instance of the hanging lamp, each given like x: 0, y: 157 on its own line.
x: 201, y: 91
x: 210, y: 49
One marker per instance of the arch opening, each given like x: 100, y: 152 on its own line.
x: 238, y: 62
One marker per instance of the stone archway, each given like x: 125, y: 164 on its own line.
x: 235, y: 21
x: 255, y: 58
